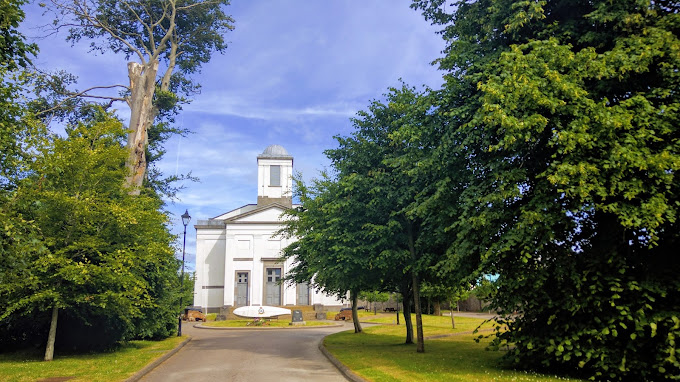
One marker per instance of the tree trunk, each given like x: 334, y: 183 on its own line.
x: 397, y: 312
x: 416, y: 291
x: 355, y: 312
x: 419, y: 315
x: 453, y: 323
x: 437, y: 308
x: 142, y: 88
x: 49, y: 350
x: 407, y: 319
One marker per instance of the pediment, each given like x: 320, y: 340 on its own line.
x: 270, y: 213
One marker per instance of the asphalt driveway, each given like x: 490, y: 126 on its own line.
x: 249, y: 355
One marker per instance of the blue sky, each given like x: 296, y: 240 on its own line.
x: 294, y: 74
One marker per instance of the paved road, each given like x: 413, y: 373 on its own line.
x: 249, y: 355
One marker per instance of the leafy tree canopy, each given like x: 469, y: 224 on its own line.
x: 563, y: 135
x: 105, y: 257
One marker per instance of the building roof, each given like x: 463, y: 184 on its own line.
x: 275, y: 151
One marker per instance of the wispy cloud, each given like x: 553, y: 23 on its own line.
x: 216, y: 103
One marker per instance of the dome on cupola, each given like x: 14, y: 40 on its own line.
x: 275, y: 151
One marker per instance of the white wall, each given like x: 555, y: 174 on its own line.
x: 262, y: 245
x: 210, y: 247
x: 263, y: 187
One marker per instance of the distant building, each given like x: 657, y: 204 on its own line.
x: 237, y: 252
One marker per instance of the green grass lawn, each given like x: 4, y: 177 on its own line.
x: 379, y: 354
x: 432, y: 325
x: 116, y: 365
x: 362, y: 314
x: 272, y: 324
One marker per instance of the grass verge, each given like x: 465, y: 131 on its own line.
x: 116, y: 365
x: 379, y: 354
x: 432, y: 325
x: 272, y: 324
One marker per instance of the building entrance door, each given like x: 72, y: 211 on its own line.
x: 273, y: 289
x: 303, y: 294
x: 242, y: 289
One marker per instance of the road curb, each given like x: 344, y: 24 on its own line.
x: 200, y: 326
x: 138, y: 375
x: 349, y: 374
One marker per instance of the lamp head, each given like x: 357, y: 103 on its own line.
x: 186, y: 218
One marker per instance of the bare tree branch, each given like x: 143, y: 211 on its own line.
x: 168, y: 33
x: 82, y: 10
x: 72, y: 95
x: 149, y: 28
x: 198, y: 4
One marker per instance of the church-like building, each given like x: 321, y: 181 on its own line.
x: 237, y: 253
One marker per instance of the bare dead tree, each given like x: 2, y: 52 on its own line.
x: 153, y: 34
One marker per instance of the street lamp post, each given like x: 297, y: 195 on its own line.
x: 186, y: 218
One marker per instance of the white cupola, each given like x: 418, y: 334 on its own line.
x: 275, y: 176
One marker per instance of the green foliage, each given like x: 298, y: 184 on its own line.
x: 103, y: 257
x: 17, y: 132
x: 373, y: 297
x: 331, y: 252
x: 14, y: 51
x: 558, y: 173
x: 364, y: 226
x: 485, y: 289
x: 71, y: 235
x: 200, y: 27
x: 442, y: 292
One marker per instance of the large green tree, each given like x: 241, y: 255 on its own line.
x: 106, y: 259
x: 332, y: 251
x: 563, y: 131
x: 362, y: 226
x: 379, y: 154
x: 73, y: 243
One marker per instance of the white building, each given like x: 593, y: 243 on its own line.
x: 237, y: 252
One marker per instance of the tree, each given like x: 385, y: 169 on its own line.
x: 331, y: 252
x: 106, y: 256
x: 180, y: 34
x: 14, y: 51
x: 373, y: 297
x: 74, y: 244
x: 17, y: 133
x: 563, y: 128
x: 390, y: 139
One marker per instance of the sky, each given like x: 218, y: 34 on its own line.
x: 295, y: 72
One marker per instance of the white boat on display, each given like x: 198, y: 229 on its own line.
x: 260, y: 311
